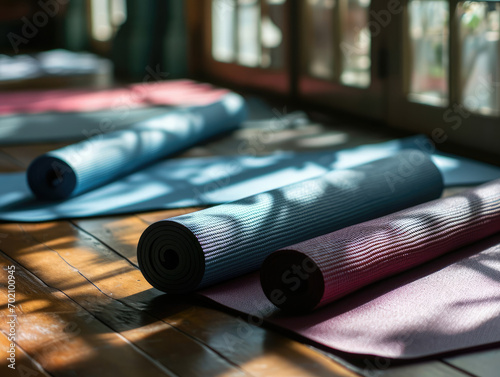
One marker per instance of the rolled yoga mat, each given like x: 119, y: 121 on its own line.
x: 192, y: 251
x: 80, y: 167
x: 189, y: 182
x: 319, y: 271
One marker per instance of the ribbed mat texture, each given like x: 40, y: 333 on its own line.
x: 80, y: 167
x: 188, y: 252
x: 185, y: 182
x: 319, y: 271
x: 447, y: 304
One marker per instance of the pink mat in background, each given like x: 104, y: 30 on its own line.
x: 448, y: 304
x: 161, y: 93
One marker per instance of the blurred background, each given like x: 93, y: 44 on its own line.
x: 429, y: 66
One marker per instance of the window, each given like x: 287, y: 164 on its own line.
x: 337, y: 40
x: 105, y: 18
x: 355, y: 43
x: 429, y: 50
x: 480, y: 68
x: 423, y: 65
x: 248, y: 32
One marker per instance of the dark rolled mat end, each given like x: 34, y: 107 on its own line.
x: 170, y: 257
x: 292, y: 281
x: 51, y: 178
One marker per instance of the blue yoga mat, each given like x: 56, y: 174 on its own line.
x: 63, y: 127
x: 192, y: 251
x: 185, y: 182
x: 81, y: 167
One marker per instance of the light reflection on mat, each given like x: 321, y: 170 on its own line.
x: 199, y: 181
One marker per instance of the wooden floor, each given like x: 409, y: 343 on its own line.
x: 84, y: 309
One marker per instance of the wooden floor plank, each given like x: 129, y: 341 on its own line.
x: 170, y: 347
x: 483, y: 363
x: 263, y: 354
x: 121, y: 233
x: 65, y: 339
x: 426, y: 369
x: 24, y: 154
x: 383, y: 367
x: 9, y: 164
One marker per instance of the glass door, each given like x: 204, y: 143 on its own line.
x: 446, y: 80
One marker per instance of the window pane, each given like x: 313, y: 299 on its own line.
x: 118, y: 12
x: 319, y: 38
x: 249, y: 53
x: 355, y: 44
x: 102, y: 29
x: 272, y: 27
x: 429, y: 30
x: 223, y: 30
x: 479, y: 37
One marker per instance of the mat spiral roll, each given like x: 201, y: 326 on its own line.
x: 80, y: 167
x: 191, y: 251
x: 319, y: 271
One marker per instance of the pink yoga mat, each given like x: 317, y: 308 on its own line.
x: 318, y: 271
x: 448, y: 304
x: 161, y: 93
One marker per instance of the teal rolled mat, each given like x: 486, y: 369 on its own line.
x: 192, y: 251
x: 81, y: 167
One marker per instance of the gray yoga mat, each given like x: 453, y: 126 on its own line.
x: 50, y: 127
x: 59, y: 127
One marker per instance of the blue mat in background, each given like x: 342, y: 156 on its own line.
x: 81, y: 167
x: 178, y: 183
x: 63, y: 127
